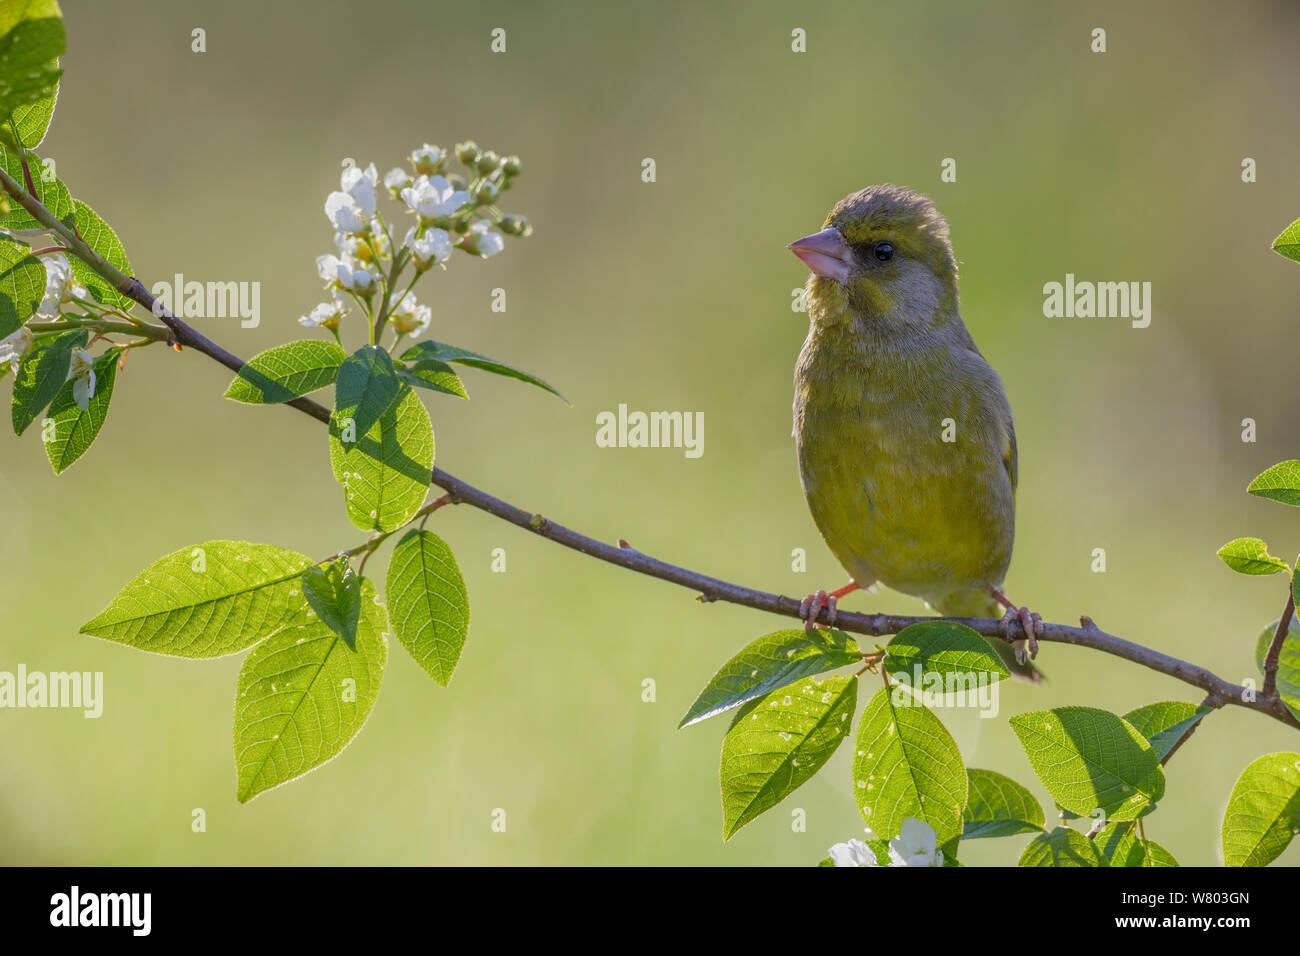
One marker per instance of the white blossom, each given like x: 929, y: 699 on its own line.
x: 14, y: 346
x: 326, y: 315
x: 60, y: 287
x: 397, y: 179
x: 428, y: 158
x: 853, y: 853
x: 345, y: 214
x: 432, y: 197
x: 408, y: 317
x: 360, y: 185
x: 485, y: 240
x: 349, y: 246
x: 81, y: 373
x: 432, y: 248
x: 345, y: 273
x: 915, y: 845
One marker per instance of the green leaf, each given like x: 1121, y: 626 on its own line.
x: 998, y: 806
x: 46, y: 187
x: 1120, y: 846
x: 303, y: 696
x: 954, y: 651
x: 103, y: 240
x: 22, y: 285
x: 1061, y: 847
x: 1156, y: 855
x: 428, y: 603
x: 208, y: 600
x: 1288, y: 244
x: 32, y: 122
x: 385, y: 476
x: 41, y: 374
x: 769, y: 663
x: 907, y: 765
x: 1163, y: 723
x: 32, y: 39
x: 73, y: 428
x: 1288, y: 662
x: 334, y: 593
x: 1250, y: 556
x: 450, y: 353
x: 1263, y: 812
x: 1091, y: 759
x: 368, y: 387
x: 779, y: 741
x: 1279, y: 483
x: 433, y: 375
x: 287, y: 372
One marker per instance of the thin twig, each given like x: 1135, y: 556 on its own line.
x: 1275, y: 648
x: 708, y: 588
x: 1210, y: 701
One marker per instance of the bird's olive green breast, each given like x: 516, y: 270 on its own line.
x: 903, y: 446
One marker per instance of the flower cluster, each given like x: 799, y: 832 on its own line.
x: 60, y: 286
x: 915, y: 845
x: 449, y: 210
x: 61, y: 289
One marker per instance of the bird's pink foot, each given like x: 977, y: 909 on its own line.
x: 810, y: 608
x: 1027, y: 648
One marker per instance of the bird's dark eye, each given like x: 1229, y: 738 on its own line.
x: 884, y: 251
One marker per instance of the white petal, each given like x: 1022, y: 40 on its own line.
x: 344, y: 213
x: 328, y: 267
x: 83, y: 389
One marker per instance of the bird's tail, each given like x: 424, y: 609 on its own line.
x: 981, y: 604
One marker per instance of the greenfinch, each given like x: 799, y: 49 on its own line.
x: 905, y: 440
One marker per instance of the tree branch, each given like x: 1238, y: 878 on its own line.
x: 1275, y: 648
x: 708, y: 588
x: 1210, y: 701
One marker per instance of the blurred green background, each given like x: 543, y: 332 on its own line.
x: 672, y: 295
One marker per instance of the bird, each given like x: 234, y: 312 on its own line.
x: 905, y: 439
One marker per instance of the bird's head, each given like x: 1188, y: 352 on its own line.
x: 888, y: 248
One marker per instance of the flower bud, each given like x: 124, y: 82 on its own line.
x: 396, y: 180
x: 487, y: 193
x: 457, y: 181
x: 488, y: 161
x: 482, y: 240
x: 467, y: 152
x: 516, y: 226
x: 428, y: 160
x: 512, y: 166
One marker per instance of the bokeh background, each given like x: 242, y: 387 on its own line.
x: 671, y: 295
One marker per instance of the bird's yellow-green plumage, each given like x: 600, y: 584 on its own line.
x: 888, y: 372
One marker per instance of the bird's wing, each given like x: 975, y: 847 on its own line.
x: 1010, y: 457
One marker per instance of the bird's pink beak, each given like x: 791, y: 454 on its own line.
x: 825, y: 253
